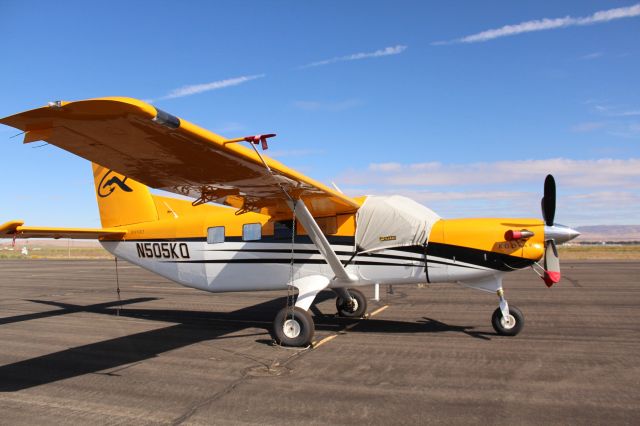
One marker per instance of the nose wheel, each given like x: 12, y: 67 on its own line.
x: 510, y: 325
x: 353, y: 307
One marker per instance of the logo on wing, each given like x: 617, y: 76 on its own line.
x: 108, y: 185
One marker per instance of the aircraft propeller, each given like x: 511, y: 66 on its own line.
x: 553, y: 233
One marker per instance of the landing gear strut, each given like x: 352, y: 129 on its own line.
x: 354, y: 306
x: 506, y: 320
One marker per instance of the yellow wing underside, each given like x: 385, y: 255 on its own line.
x: 135, y: 139
x: 16, y: 229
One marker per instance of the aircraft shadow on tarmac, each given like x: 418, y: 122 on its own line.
x: 191, y: 327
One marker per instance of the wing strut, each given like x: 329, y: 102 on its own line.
x: 305, y: 217
x: 311, y: 226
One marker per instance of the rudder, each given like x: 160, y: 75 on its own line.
x: 121, y: 200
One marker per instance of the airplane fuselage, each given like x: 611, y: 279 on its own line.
x: 268, y: 264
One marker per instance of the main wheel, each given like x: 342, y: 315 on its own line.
x: 293, y: 327
x: 354, y: 308
x: 511, y: 326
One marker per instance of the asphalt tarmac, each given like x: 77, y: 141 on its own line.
x: 71, y: 353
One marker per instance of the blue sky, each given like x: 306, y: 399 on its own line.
x: 462, y: 105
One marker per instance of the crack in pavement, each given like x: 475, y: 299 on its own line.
x: 273, y: 369
x: 261, y: 368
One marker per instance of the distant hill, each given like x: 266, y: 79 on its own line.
x: 38, y: 242
x: 608, y: 233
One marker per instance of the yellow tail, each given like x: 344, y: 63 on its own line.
x: 122, y: 201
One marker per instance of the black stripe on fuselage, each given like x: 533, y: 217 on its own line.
x: 483, y: 258
x: 454, y: 254
x: 307, y: 251
x: 357, y: 260
x: 287, y: 261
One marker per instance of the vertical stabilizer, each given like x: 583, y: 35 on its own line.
x: 122, y: 201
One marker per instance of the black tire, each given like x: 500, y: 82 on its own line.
x: 297, y: 333
x: 503, y: 329
x: 355, y: 309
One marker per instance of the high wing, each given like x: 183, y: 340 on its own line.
x: 165, y: 152
x: 15, y: 229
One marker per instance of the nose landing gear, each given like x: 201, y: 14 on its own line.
x: 509, y: 326
x: 506, y: 320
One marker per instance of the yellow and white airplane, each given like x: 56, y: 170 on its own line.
x: 255, y: 224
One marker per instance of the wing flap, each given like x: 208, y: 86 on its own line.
x: 16, y: 229
x: 164, y: 152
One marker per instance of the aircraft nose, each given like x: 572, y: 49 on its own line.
x: 560, y: 233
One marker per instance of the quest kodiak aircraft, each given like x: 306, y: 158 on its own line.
x: 255, y: 224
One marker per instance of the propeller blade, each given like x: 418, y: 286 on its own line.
x: 549, y: 200
x: 551, y: 263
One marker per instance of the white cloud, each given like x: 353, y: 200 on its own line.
x: 614, y: 110
x: 573, y: 173
x: 594, y: 55
x: 588, y: 126
x: 194, y: 89
x: 606, y: 197
x: 455, y: 196
x: 589, y: 191
x: 327, y: 106
x: 230, y: 127
x: 621, y: 121
x: 385, y: 167
x: 626, y: 130
x: 602, y: 207
x: 296, y: 153
x: 387, y: 51
x: 549, y: 24
x: 631, y: 113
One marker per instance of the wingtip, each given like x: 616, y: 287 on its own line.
x: 10, y: 227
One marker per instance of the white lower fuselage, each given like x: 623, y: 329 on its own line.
x: 256, y: 266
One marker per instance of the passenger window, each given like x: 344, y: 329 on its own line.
x: 282, y: 230
x: 215, y: 235
x: 251, y: 232
x: 328, y: 225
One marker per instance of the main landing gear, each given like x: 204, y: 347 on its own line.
x: 293, y: 326
x: 354, y: 306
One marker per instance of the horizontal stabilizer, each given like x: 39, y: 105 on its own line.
x: 15, y: 229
